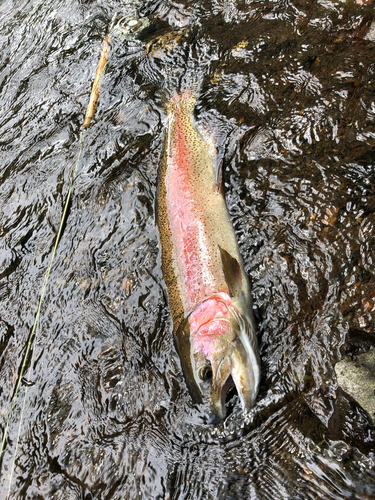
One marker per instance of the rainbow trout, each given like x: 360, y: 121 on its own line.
x: 208, y: 290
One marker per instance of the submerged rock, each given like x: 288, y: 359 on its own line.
x: 357, y: 378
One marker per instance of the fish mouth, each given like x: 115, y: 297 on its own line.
x: 214, y: 363
x: 230, y: 360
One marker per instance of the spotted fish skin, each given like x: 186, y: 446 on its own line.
x: 208, y: 290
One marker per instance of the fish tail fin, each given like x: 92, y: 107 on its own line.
x: 193, y: 77
x: 185, y: 100
x: 189, y: 87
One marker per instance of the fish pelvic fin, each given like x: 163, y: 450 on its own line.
x: 232, y: 272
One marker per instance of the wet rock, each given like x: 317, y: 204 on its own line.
x: 357, y: 378
x: 371, y: 33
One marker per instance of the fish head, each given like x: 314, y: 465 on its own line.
x: 222, y: 353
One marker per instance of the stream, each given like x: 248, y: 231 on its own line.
x: 286, y: 89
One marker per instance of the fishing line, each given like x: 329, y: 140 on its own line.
x: 125, y: 29
x: 34, y: 331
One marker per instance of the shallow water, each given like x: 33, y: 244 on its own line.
x: 288, y: 94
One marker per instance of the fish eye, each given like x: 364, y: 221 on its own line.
x: 205, y: 373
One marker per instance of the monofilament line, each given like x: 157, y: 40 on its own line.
x: 34, y: 332
x: 126, y: 31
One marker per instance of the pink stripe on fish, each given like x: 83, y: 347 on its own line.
x: 185, y: 205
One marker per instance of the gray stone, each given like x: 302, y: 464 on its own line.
x: 357, y: 378
x: 371, y: 33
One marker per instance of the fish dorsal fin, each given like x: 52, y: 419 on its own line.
x: 232, y: 272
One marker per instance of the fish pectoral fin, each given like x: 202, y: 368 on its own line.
x: 243, y: 374
x: 221, y: 369
x: 232, y: 272
x: 219, y: 177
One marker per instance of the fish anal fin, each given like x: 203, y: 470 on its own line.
x: 232, y: 272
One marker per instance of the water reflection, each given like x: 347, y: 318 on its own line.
x: 287, y: 91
